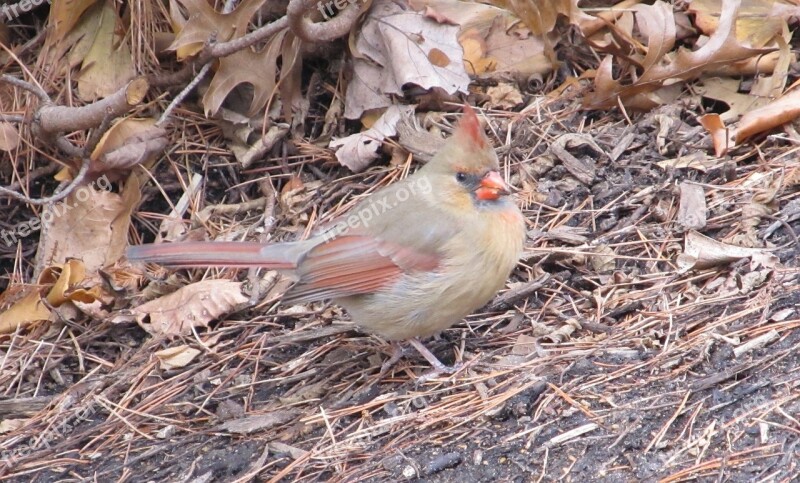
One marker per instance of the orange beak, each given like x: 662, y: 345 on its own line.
x: 492, y: 187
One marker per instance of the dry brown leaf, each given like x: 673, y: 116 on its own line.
x: 392, y: 50
x: 25, y: 311
x: 540, y: 16
x: 524, y: 345
x: 190, y: 306
x: 91, y: 224
x: 780, y: 111
x: 204, y: 21
x: 294, y: 185
x: 658, y: 24
x: 772, y: 86
x: 108, y: 64
x: 9, y: 137
x: 128, y: 143
x: 727, y: 90
x: 259, y: 69
x: 61, y: 283
x: 720, y: 135
x: 502, y: 46
x: 63, y: 279
x: 357, y: 151
x: 64, y: 15
x: 702, y: 252
x: 692, y: 210
x: 294, y: 104
x: 696, y: 160
x: 758, y: 23
x: 504, y: 96
x: 493, y: 39
x: 603, y: 260
x: 176, y: 357
x: 721, y: 49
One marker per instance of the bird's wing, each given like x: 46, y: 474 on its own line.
x: 355, y: 264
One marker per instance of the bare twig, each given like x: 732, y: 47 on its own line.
x: 33, y: 89
x: 53, y: 119
x: 182, y: 95
x: 60, y: 193
x: 309, y: 31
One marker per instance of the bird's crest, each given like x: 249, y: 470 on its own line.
x: 470, y: 128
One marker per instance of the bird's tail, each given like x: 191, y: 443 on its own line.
x: 220, y: 254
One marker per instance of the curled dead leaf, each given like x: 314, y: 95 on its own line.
x: 584, y: 169
x: 193, y: 305
x: 702, y: 252
x: 720, y: 135
x: 357, y: 151
x: 128, y: 143
x: 390, y: 52
x: 664, y: 69
x: 56, y: 285
x: 780, y: 111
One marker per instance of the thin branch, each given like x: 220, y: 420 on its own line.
x: 213, y: 50
x: 182, y: 95
x: 33, y: 89
x: 302, y: 27
x: 309, y: 31
x: 54, y: 119
x: 60, y: 193
x: 12, y: 118
x: 225, y: 49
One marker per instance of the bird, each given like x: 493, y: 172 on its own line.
x: 407, y: 261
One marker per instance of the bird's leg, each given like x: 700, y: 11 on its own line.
x: 438, y: 366
x: 398, y: 351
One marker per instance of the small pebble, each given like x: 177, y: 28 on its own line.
x: 447, y: 460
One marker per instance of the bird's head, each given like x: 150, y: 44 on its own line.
x: 465, y: 172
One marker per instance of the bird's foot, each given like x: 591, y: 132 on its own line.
x: 438, y: 371
x: 438, y: 366
x: 398, y: 351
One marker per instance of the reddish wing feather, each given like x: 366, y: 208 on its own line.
x: 351, y: 265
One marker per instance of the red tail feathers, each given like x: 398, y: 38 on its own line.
x: 218, y: 254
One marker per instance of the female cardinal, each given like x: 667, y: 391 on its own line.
x: 410, y: 260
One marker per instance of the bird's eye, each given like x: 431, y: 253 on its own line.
x: 461, y: 177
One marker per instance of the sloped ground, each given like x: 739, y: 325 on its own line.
x: 603, y: 360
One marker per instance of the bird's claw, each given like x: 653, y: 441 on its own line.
x: 439, y: 369
x: 398, y: 352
